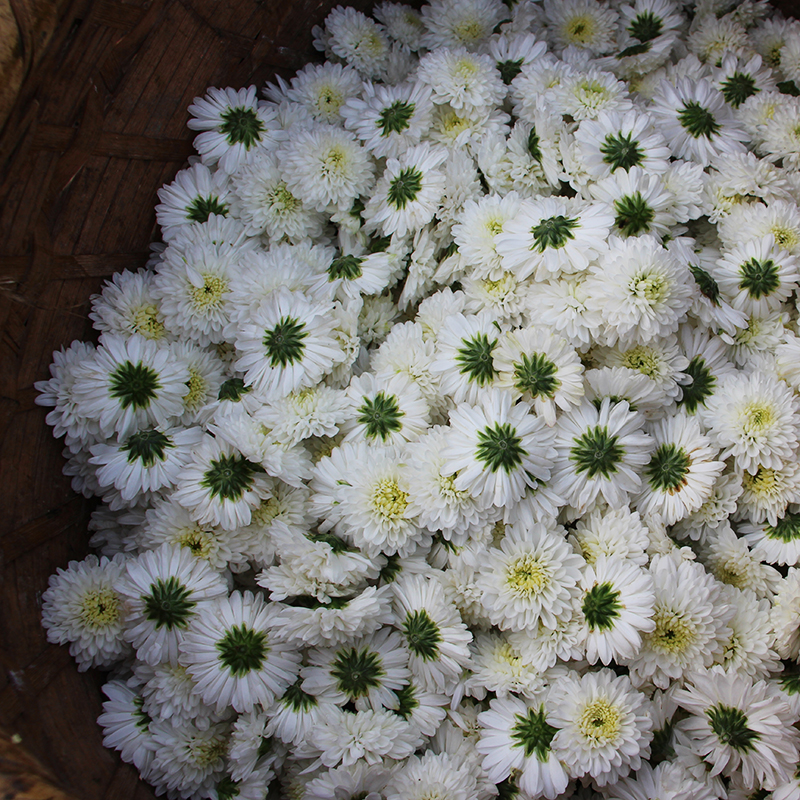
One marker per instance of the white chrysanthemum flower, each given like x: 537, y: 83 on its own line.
x: 712, y: 37
x: 670, y: 779
x: 497, y: 666
x: 58, y: 393
x: 690, y: 623
x: 614, y: 533
x: 436, y: 638
x: 127, y: 306
x: 754, y: 418
x: 785, y: 610
x: 352, y: 780
x: 326, y: 167
x: 505, y: 297
x: 126, y: 727
x: 720, y: 504
x: 516, y: 738
x: 696, y: 121
x: 757, y: 276
x: 562, y: 305
x: 730, y: 560
x: 766, y: 493
x: 466, y: 81
x: 512, y: 52
x: 195, y: 195
x: 402, y: 23
x: 681, y: 472
x: 389, y: 119
x: 553, y: 236
x: 603, y: 725
x: 779, y: 136
x: 149, y: 460
x: 164, y: 589
x: 83, y: 607
x: 189, y: 760
x: 357, y: 39
x: 589, y: 93
x: 323, y: 89
x: 232, y: 123
x: 623, y: 383
x: 168, y: 694
x: 387, y: 412
x: 453, y: 23
x: 263, y: 202
x: 129, y: 383
x: 599, y: 452
x: 585, y: 24
x: 532, y: 576
x: 498, y: 449
x: 430, y: 777
x: 617, y: 140
x: 616, y: 603
x: 754, y: 343
x: 776, y: 542
x: 738, y: 724
x: 228, y: 650
x: 287, y: 344
x: 409, y: 192
x: 781, y: 218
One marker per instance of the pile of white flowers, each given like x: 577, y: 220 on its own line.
x: 448, y: 447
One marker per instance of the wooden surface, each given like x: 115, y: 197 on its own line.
x: 98, y: 125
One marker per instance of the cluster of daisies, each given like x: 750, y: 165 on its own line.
x: 448, y: 445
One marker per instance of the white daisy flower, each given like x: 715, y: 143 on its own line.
x: 126, y: 727
x: 129, y: 383
x: 512, y: 52
x: 168, y: 694
x: 193, y: 197
x: 563, y: 306
x: 315, y: 411
x: 82, y: 607
x: 466, y: 81
x: 127, y: 306
x: 754, y: 418
x: 776, y: 543
x: 498, y: 449
x: 623, y: 383
x: 497, y: 666
x: 357, y: 39
x: 541, y: 368
x: 232, y: 123
x: 767, y: 493
x: 589, y: 93
x: 325, y: 166
x: 614, y: 533
x: 779, y: 137
x: 389, y: 119
x: 599, y: 452
x: 431, y: 775
x: 781, y: 218
x: 553, y: 236
x: 584, y: 24
x: 228, y: 650
x: 163, y: 589
x: 324, y: 88
x: 452, y: 23
x: 668, y: 779
x: 532, y: 576
x: 352, y: 780
x: 696, y: 121
x: 604, y: 726
x: 681, y: 472
x: 409, y: 192
x: 738, y: 724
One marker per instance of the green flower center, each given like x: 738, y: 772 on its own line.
x: 633, y: 215
x: 404, y: 188
x: 242, y: 649
x: 621, y: 150
x: 509, y: 70
x: 790, y: 682
x: 143, y: 719
x: 284, y: 343
x: 229, y: 477
x: 532, y: 733
x: 99, y: 608
x: 475, y: 359
x: 241, y: 125
x: 232, y: 389
x: 395, y: 118
x: 645, y: 26
x: 554, y: 232
x: 345, y: 267
x: 698, y: 121
x: 227, y: 788
x: 787, y: 529
x: 668, y: 468
x: 738, y: 88
x: 759, y: 278
x: 706, y: 284
x: 406, y: 701
x: 701, y: 387
x: 499, y: 447
x: 635, y: 50
x: 133, y: 385
x: 596, y: 452
x: 527, y: 576
x: 147, y: 447
x: 357, y: 671
x: 730, y: 726
x: 536, y: 375
x: 643, y: 359
x: 533, y: 145
x: 168, y: 604
x: 201, y: 208
x: 600, y: 722
x: 298, y: 700
x: 580, y: 29
x: 336, y: 544
x: 380, y: 416
x: 601, y: 607
x: 422, y: 634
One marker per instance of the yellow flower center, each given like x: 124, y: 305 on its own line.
x: 146, y: 322
x: 527, y: 576
x: 468, y: 31
x: 389, y: 500
x: 99, y: 608
x: 200, y: 543
x: 600, y: 722
x: 673, y: 633
x: 580, y: 29
x: 209, y: 295
x: 197, y: 390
